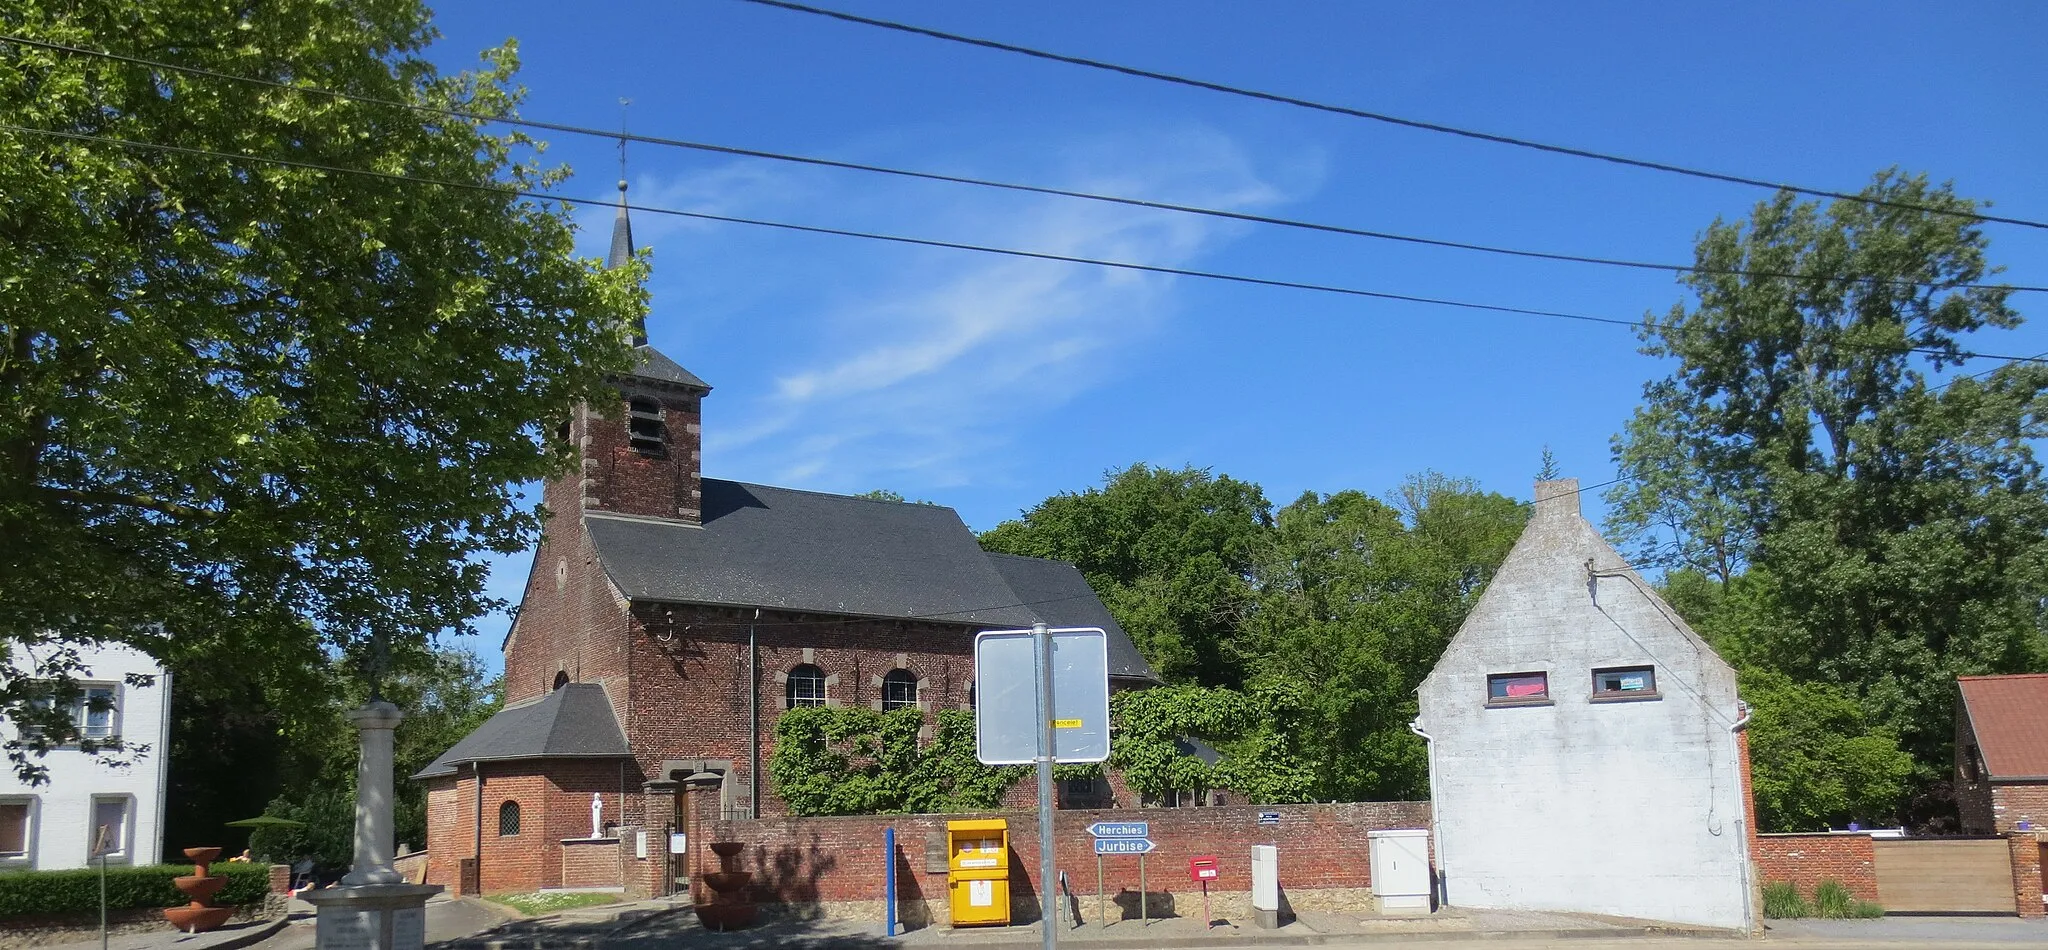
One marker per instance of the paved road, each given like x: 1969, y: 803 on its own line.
x: 446, y: 920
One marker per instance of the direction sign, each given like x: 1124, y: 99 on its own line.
x: 1006, y: 719
x: 1124, y: 846
x: 1121, y: 829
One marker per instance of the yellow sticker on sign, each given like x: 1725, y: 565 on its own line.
x: 1066, y: 724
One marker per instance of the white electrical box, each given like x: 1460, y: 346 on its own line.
x: 1400, y: 869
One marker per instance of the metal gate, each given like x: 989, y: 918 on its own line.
x: 1944, y: 875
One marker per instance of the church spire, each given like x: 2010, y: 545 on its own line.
x: 622, y: 236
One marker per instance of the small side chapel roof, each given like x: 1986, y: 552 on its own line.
x: 574, y: 722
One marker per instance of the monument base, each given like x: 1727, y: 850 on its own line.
x: 371, y: 916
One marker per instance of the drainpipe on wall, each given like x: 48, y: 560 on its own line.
x: 1748, y: 833
x: 1436, y: 827
x: 753, y: 721
x: 476, y: 771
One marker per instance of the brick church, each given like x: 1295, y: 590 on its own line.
x: 670, y: 618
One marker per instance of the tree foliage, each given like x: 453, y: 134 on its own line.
x: 1357, y: 600
x: 445, y: 694
x: 256, y: 412
x: 1887, y: 533
x: 1170, y: 552
x: 1816, y: 760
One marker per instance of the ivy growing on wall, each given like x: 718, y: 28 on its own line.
x: 852, y: 761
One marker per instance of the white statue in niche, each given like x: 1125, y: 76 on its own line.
x: 596, y: 815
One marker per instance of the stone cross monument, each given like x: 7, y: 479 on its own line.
x: 373, y: 908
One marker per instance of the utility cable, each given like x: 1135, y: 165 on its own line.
x: 623, y: 136
x: 1381, y: 116
x: 926, y: 242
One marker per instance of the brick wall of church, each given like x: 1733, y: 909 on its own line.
x: 690, y: 679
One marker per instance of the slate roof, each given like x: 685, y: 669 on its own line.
x: 575, y: 721
x: 654, y: 364
x: 1063, y: 598
x: 786, y: 549
x: 2009, y: 715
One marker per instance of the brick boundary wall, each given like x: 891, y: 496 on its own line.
x: 591, y: 862
x: 833, y: 866
x: 1808, y: 859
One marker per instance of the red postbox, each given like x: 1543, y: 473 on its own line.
x: 1203, y: 869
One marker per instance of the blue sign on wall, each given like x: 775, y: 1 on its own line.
x: 1124, y: 846
x: 1121, y: 829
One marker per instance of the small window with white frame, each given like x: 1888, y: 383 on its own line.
x: 17, y: 829
x: 98, y: 712
x: 107, y: 832
x: 1624, y: 682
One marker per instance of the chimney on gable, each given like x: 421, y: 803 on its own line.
x: 1557, y: 498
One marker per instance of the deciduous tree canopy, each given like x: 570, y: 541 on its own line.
x: 1880, y: 533
x: 258, y: 412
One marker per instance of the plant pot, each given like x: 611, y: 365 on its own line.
x: 202, y: 855
x: 200, y: 889
x: 195, y: 920
x: 725, y: 882
x: 725, y: 916
x: 726, y: 849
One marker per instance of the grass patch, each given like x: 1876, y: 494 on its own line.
x: 1832, y: 900
x: 1782, y: 901
x: 536, y: 903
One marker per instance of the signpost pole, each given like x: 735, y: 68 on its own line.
x: 1047, y: 900
x: 1143, y: 919
x: 1208, y: 919
x: 1101, y: 919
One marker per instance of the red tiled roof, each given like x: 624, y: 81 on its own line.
x: 2010, y: 717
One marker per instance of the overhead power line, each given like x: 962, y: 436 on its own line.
x: 917, y: 241
x: 623, y: 136
x: 1380, y: 116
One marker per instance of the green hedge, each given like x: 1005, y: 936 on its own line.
x: 78, y: 890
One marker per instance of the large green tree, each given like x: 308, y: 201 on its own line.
x: 255, y: 412
x: 1171, y: 552
x: 1894, y: 529
x: 1357, y: 600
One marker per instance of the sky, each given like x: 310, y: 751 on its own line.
x: 990, y: 383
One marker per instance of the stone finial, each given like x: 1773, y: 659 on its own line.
x: 1557, y: 498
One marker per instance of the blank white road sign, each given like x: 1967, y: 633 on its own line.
x: 1006, y: 725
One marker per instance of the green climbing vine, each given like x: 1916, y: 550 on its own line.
x: 839, y: 761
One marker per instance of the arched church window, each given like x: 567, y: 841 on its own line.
x: 806, y: 687
x: 899, y: 690
x: 645, y: 428
x: 508, y: 820
x: 561, y: 679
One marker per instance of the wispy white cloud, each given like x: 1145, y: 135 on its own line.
x: 914, y: 363
x: 947, y: 355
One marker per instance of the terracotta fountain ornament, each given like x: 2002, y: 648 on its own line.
x: 199, y: 916
x: 729, y: 908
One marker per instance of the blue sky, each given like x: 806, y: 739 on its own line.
x: 989, y: 383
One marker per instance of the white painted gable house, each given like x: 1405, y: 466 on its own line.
x: 1583, y: 748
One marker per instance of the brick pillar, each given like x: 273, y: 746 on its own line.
x: 649, y: 876
x: 2026, y: 873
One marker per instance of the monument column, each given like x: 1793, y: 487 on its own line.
x: 372, y: 908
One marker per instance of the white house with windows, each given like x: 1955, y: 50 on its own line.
x: 55, y: 824
x: 1582, y: 742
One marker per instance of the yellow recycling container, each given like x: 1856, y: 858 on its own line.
x: 978, y: 869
